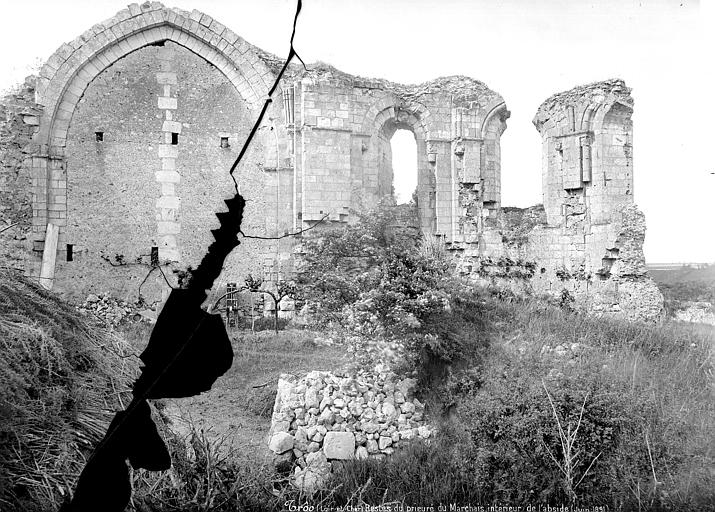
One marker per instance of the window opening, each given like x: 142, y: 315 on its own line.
x: 404, y: 165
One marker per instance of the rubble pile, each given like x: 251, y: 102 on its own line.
x: 324, y: 417
x: 115, y: 311
x: 697, y: 312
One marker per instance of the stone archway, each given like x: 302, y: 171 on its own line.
x: 72, y: 68
x: 388, y: 121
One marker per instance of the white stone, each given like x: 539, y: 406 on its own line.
x: 384, y: 442
x: 327, y: 417
x: 171, y: 127
x: 369, y: 428
x: 167, y: 103
x: 339, y: 445
x: 311, y: 398
x: 361, y: 453
x: 407, y: 408
x: 389, y: 410
x: 281, y: 442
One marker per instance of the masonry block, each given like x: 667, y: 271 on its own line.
x: 167, y: 103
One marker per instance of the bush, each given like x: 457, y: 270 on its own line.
x: 520, y: 450
x: 393, y: 294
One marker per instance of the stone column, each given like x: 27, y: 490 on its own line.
x: 168, y: 203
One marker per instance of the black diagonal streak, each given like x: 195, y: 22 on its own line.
x: 175, y: 365
x: 291, y: 53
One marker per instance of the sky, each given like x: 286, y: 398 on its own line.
x: 525, y: 50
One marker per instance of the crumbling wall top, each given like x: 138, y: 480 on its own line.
x: 583, y: 98
x: 464, y: 91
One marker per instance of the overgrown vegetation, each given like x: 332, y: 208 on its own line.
x: 534, y: 404
x: 620, y: 415
x: 391, y: 294
x: 641, y: 396
x: 682, y: 286
x: 61, y: 379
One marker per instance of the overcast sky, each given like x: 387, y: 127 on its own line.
x: 525, y: 50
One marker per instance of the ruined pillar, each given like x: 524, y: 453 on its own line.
x: 587, y: 137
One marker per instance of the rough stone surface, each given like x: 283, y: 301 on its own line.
x: 281, y: 442
x: 177, y: 112
x: 584, y: 247
x: 314, y: 473
x: 134, y: 94
x: 358, y: 417
x: 697, y: 312
x: 339, y: 445
x: 18, y: 124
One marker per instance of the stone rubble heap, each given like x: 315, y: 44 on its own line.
x: 115, y: 311
x: 323, y: 417
x: 697, y: 312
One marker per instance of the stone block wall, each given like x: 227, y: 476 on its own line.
x: 145, y: 112
x: 173, y: 95
x: 19, y: 120
x: 584, y: 246
x: 322, y: 417
x: 587, y: 138
x: 157, y: 175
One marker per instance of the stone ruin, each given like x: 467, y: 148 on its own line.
x: 116, y: 158
x: 323, y: 417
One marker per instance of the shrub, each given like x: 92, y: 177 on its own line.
x: 512, y: 423
x: 392, y: 293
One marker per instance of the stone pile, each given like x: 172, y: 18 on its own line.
x: 323, y: 417
x: 697, y: 312
x: 114, y: 311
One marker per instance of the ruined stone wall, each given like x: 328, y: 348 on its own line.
x: 343, y: 125
x: 136, y: 188
x: 584, y: 246
x: 335, y: 417
x: 18, y: 123
x: 175, y: 93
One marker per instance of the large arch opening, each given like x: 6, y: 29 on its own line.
x: 73, y: 67
x: 156, y: 173
x: 405, y: 177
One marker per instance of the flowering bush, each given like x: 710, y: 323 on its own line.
x: 392, y: 294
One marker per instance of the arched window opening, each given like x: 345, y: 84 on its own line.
x: 404, y: 165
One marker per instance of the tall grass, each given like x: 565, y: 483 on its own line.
x: 61, y: 379
x: 641, y: 394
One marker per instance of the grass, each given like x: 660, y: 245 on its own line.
x: 640, y: 395
x: 220, y: 455
x: 631, y: 415
x: 61, y: 378
x: 635, y: 405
